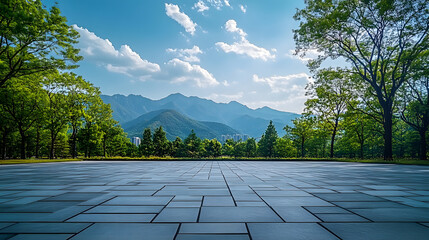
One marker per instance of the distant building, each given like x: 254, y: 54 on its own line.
x: 235, y: 137
x: 136, y: 141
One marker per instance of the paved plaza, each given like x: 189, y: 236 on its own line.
x: 185, y: 200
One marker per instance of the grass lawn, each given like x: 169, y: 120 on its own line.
x: 23, y: 161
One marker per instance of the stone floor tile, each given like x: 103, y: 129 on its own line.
x: 295, y: 214
x: 132, y: 231
x: 41, y: 237
x: 292, y: 231
x: 112, y: 217
x: 187, y: 214
x: 45, y: 228
x: 341, y: 217
x: 378, y: 231
x: 238, y: 214
x: 138, y: 201
x: 125, y: 209
x: 213, y: 228
x: 212, y: 237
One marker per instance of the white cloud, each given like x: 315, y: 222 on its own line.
x: 305, y: 57
x: 243, y: 8
x: 173, y: 11
x: 124, y: 60
x: 200, y: 6
x: 220, y: 97
x: 231, y: 26
x: 243, y: 46
x: 293, y: 84
x: 180, y: 71
x: 227, y: 3
x: 188, y: 55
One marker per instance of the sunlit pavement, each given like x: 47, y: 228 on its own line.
x: 259, y: 200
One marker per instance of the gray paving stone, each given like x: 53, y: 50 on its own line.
x: 102, y: 191
x: 212, y: 237
x: 45, y: 228
x: 218, y: 201
x: 378, y: 231
x: 292, y: 231
x: 132, y: 231
x: 296, y: 201
x: 138, y: 201
x: 386, y: 204
x: 213, y: 228
x: 341, y: 217
x: 408, y: 214
x: 41, y: 237
x: 326, y: 210
x: 295, y: 214
x: 178, y: 215
x: 238, y: 214
x: 112, y: 217
x: 125, y: 209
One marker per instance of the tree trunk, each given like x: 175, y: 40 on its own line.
x: 37, y: 141
x: 302, y: 148
x: 73, y: 143
x: 52, y: 148
x: 334, y: 132
x: 104, y: 147
x: 361, y: 150
x: 23, y: 145
x: 388, y: 136
x: 4, y: 144
x: 423, y: 152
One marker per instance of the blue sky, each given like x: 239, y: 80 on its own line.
x: 221, y: 50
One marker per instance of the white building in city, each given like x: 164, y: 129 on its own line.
x: 136, y: 141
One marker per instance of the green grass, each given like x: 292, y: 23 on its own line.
x: 375, y: 160
x: 396, y: 161
x: 24, y: 161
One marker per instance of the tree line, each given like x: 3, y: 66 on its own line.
x: 46, y: 110
x: 380, y: 94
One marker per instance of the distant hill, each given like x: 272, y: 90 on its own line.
x: 234, y: 114
x: 176, y: 124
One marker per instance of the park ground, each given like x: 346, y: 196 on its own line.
x: 258, y: 200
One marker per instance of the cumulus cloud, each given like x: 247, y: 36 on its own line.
x: 188, y: 55
x: 173, y: 11
x: 293, y: 84
x: 200, y: 6
x: 243, y: 8
x: 180, y: 71
x: 243, y: 46
x: 124, y: 60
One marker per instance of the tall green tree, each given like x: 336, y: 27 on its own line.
x: 380, y: 39
x: 329, y: 96
x: 251, y: 147
x: 21, y: 99
x: 34, y: 40
x: 415, y: 107
x: 192, y: 145
x: 146, y: 146
x: 160, y: 142
x: 301, y: 131
x: 268, y: 141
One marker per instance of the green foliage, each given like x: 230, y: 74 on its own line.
x: 34, y: 40
x: 146, y: 146
x: 160, y: 142
x: 268, y: 140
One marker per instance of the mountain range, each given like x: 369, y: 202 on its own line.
x: 136, y: 112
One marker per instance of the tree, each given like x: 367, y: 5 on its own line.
x: 415, y: 108
x: 177, y: 148
x: 268, y: 140
x: 381, y: 39
x: 329, y: 96
x: 192, y: 145
x: 251, y: 147
x: 21, y: 99
x: 284, y: 148
x: 33, y: 40
x: 160, y: 142
x: 301, y: 131
x: 146, y: 146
